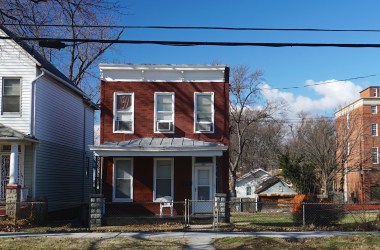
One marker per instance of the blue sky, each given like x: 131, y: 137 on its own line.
x: 282, y: 67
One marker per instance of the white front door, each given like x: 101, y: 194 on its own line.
x: 4, y: 175
x: 203, y: 188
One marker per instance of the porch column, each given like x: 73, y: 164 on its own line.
x: 13, y: 164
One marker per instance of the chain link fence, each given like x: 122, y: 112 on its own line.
x: 248, y: 214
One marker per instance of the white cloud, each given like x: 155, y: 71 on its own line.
x: 326, y: 96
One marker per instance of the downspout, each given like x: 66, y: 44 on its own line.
x: 32, y: 130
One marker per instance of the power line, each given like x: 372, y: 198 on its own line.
x: 196, y: 43
x: 323, y: 83
x: 194, y: 27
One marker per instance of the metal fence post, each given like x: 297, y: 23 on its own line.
x: 303, y: 215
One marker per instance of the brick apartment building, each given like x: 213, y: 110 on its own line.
x: 163, y: 134
x: 358, y: 148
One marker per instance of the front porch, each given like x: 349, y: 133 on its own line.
x: 15, y: 159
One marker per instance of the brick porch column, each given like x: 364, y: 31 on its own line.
x: 12, y: 203
x: 97, y: 207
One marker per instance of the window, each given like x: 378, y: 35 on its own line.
x: 374, y: 129
x: 123, y: 180
x: 11, y: 96
x: 204, y: 112
x: 164, y: 112
x: 123, y: 112
x: 373, y: 109
x: 248, y: 191
x: 163, y: 178
x: 375, y: 193
x: 375, y: 92
x: 374, y: 155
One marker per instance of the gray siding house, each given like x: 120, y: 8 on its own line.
x: 46, y: 123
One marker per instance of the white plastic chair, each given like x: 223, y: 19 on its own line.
x: 166, y: 201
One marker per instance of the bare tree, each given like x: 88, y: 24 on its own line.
x: 247, y: 108
x: 78, y: 59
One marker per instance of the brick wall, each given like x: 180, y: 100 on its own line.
x: 184, y: 109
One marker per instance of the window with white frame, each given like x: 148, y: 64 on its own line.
x: 374, y: 129
x: 164, y: 112
x: 123, y: 112
x: 374, y: 155
x: 375, y: 92
x: 248, y: 190
x: 163, y: 178
x: 123, y: 180
x: 11, y: 96
x: 204, y: 112
x: 373, y: 109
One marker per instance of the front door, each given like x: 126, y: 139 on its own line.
x: 4, y: 175
x: 203, y: 188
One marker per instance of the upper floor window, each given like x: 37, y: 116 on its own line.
x: 375, y: 92
x: 123, y: 112
x: 374, y: 109
x: 374, y: 129
x: 204, y: 112
x: 11, y: 96
x: 164, y: 112
x: 374, y: 155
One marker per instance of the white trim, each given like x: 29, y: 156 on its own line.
x: 173, y: 153
x: 162, y: 73
x: 114, y: 182
x: 375, y: 94
x: 172, y: 121
x: 196, y: 94
x: 115, y: 94
x: 155, y: 160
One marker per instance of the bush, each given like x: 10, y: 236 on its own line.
x: 317, y: 213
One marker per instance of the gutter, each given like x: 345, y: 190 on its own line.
x: 32, y: 124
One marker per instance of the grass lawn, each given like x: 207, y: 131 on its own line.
x: 34, y: 243
x: 358, y: 241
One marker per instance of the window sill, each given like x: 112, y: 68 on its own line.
x: 122, y: 200
x: 11, y: 115
x: 123, y: 132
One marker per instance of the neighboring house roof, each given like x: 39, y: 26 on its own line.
x: 46, y: 66
x: 269, y: 183
x: 159, y: 146
x: 252, y: 173
x: 10, y: 134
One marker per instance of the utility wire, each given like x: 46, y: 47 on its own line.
x: 194, y: 27
x: 323, y: 83
x: 197, y: 43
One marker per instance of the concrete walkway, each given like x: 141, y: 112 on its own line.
x: 194, y: 240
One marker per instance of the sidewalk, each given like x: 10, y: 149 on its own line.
x: 195, y: 240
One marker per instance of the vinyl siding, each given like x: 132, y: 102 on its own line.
x: 29, y: 168
x: 15, y: 62
x: 63, y: 141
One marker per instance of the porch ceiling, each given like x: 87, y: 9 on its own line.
x: 8, y: 134
x: 159, y: 147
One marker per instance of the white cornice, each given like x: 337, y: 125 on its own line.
x: 365, y: 101
x: 162, y: 72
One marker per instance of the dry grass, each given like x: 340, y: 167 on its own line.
x: 34, y: 243
x: 359, y: 241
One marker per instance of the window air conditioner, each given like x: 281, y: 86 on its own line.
x: 204, y: 127
x: 164, y: 126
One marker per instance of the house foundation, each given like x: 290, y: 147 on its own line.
x: 12, y: 205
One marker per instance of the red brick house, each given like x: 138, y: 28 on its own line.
x: 163, y: 134
x: 358, y: 148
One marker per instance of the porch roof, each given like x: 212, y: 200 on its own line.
x: 159, y: 147
x: 9, y: 134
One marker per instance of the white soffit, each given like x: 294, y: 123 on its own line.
x: 163, y: 73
